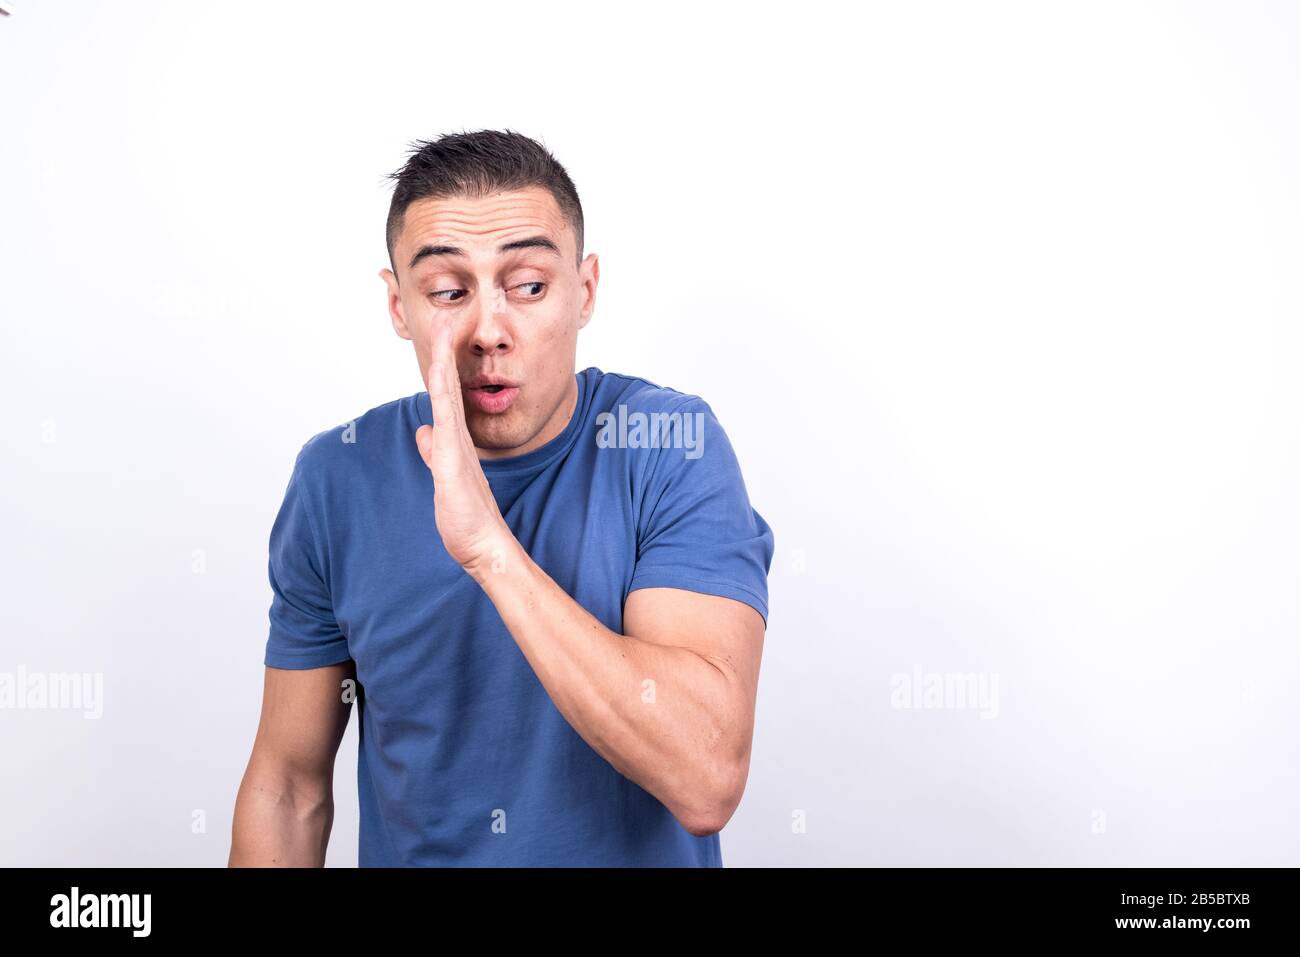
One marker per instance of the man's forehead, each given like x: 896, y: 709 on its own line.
x: 481, y: 221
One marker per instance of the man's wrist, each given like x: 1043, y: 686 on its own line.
x: 495, y: 555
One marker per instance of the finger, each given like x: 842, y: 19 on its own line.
x: 444, y: 409
x: 445, y: 392
x: 437, y: 381
x: 445, y: 356
x: 455, y: 392
x: 439, y: 352
x: 448, y: 357
x: 448, y: 416
x: 442, y: 348
x: 440, y: 357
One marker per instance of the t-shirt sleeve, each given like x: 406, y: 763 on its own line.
x: 303, y: 631
x: 697, y: 530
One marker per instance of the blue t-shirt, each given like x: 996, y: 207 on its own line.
x: 464, y: 759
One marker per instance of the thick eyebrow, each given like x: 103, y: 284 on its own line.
x: 532, y: 242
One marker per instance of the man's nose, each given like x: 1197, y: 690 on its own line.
x: 491, y: 330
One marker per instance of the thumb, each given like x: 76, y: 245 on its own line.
x: 424, y: 441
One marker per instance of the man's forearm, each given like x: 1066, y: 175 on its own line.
x: 674, y: 737
x: 279, y: 826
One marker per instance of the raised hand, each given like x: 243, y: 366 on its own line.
x: 466, y: 513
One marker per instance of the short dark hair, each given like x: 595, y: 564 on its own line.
x: 478, y: 164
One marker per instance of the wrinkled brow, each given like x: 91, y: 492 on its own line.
x: 538, y: 242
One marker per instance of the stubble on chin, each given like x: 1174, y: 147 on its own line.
x: 496, y: 433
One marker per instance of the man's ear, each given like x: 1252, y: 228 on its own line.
x: 589, y: 274
x: 395, y: 303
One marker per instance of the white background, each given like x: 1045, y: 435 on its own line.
x: 997, y: 303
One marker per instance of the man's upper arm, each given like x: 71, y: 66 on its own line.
x: 729, y: 635
x: 304, y: 710
x: 724, y: 631
x: 304, y: 715
x: 696, y: 530
x: 703, y: 554
x: 304, y: 634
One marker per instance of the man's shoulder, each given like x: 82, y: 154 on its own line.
x: 648, y: 420
x: 351, y: 443
x: 638, y: 394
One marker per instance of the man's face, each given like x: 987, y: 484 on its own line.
x: 515, y: 312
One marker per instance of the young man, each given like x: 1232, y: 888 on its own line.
x: 546, y: 590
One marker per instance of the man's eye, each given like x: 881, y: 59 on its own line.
x: 540, y: 286
x: 443, y: 292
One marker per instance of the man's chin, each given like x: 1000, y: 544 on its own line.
x: 499, y: 436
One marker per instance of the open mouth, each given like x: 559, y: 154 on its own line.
x: 490, y: 398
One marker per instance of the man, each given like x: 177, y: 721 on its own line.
x: 546, y: 589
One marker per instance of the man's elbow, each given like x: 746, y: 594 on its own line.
x: 713, y: 806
